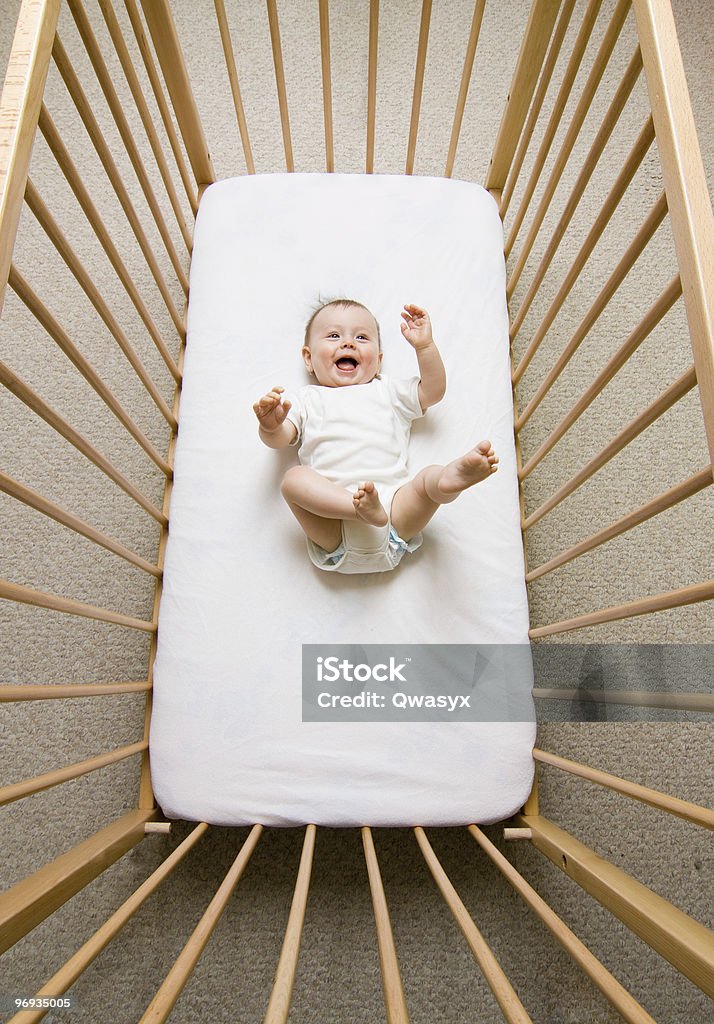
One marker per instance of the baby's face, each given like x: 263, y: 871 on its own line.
x: 344, y: 347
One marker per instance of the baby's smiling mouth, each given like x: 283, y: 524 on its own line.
x: 346, y: 363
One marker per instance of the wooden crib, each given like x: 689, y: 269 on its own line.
x: 574, y: 92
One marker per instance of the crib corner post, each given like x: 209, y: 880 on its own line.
x: 19, y: 113
x: 536, y: 38
x: 688, y: 201
x: 162, y: 27
x: 532, y: 804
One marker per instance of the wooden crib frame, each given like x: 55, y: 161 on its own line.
x: 680, y: 939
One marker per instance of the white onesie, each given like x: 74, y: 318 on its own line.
x: 351, y: 434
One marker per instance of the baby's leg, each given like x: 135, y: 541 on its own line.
x: 416, y: 502
x: 319, y: 505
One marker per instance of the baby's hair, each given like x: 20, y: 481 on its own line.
x: 344, y: 304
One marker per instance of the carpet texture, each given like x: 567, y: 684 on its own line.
x: 338, y: 976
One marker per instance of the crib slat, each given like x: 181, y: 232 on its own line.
x: 692, y: 485
x: 279, y: 1004
x: 609, y: 123
x: 633, y: 698
x: 131, y: 76
x: 691, y: 812
x: 141, y: 41
x: 418, y: 84
x: 661, y: 602
x: 536, y: 106
x: 511, y: 1007
x: 372, y: 83
x: 600, y: 62
x: 61, y: 155
x: 627, y: 261
x: 19, y: 790
x: 686, y: 187
x: 38, y: 309
x: 85, y: 112
x: 541, y: 21
x: 61, y: 691
x: 666, y: 400
x: 394, y: 1000
x: 652, y: 317
x: 576, y: 57
x: 274, y: 24
x: 86, y: 954
x: 30, y: 901
x: 619, y: 997
x: 60, y: 515
x: 225, y: 35
x: 465, y: 82
x: 162, y: 27
x: 326, y: 83
x: 19, y: 110
x: 681, y: 940
x: 614, y: 197
x: 52, y: 229
x: 33, y: 401
x: 41, y: 599
x: 104, y: 78
x: 163, y: 1002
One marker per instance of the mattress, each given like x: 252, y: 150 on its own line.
x: 241, y: 600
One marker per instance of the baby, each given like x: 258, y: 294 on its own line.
x: 352, y: 494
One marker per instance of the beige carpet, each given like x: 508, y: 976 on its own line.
x: 338, y: 977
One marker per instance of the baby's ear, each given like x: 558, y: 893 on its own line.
x: 307, y: 358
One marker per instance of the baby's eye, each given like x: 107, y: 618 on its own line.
x: 333, y: 334
x: 362, y: 337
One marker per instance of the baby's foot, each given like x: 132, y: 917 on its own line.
x: 368, y: 506
x: 471, y: 468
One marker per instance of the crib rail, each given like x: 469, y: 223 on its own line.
x: 685, y: 203
x: 675, y: 935
x: 156, y: 197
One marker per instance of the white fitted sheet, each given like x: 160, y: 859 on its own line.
x: 240, y: 596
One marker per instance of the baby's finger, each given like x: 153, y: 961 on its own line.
x: 281, y: 411
x: 264, y: 407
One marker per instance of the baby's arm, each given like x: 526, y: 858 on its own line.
x: 274, y: 430
x: 416, y: 328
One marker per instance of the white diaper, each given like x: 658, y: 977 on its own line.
x: 364, y: 548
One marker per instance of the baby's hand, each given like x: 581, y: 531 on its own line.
x: 271, y: 410
x: 416, y: 327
